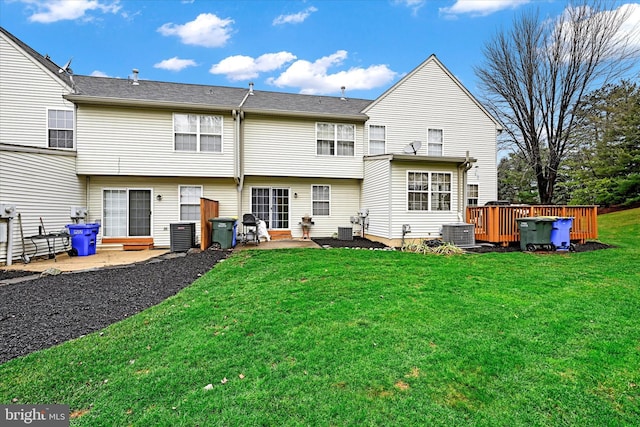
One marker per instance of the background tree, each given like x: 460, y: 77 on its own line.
x: 535, y: 75
x: 604, y: 167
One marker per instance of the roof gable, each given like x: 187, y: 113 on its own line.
x: 432, y: 59
x: 44, y: 62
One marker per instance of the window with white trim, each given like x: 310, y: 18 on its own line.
x: 472, y: 194
x: 190, y: 202
x: 193, y: 132
x: 377, y: 139
x: 434, y: 142
x: 321, y: 200
x: 428, y: 191
x: 60, y: 128
x: 335, y: 139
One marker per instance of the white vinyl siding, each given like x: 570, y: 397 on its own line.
x: 27, y: 89
x: 287, y: 147
x: 377, y: 139
x: 189, y: 196
x: 321, y: 200
x: 139, y: 142
x: 335, y: 139
x: 197, y: 132
x: 344, y: 193
x: 164, y: 209
x: 60, y: 128
x: 49, y: 193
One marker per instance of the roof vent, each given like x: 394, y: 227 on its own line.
x: 250, y: 88
x: 342, y: 90
x: 135, y: 77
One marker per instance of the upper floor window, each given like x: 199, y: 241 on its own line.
x: 335, y: 139
x: 428, y: 191
x: 60, y: 128
x: 321, y: 200
x: 434, y: 142
x: 194, y: 132
x: 377, y: 139
x: 472, y: 194
x: 190, y: 202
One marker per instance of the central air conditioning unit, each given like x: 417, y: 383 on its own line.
x: 460, y: 234
x: 183, y: 236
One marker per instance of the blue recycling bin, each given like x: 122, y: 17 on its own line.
x: 83, y: 238
x: 561, y: 233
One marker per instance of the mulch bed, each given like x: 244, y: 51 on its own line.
x: 40, y: 313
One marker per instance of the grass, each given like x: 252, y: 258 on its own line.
x: 346, y: 337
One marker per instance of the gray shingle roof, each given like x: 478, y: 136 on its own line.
x: 103, y: 89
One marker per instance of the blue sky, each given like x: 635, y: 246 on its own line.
x: 311, y: 46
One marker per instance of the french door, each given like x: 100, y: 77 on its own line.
x: 126, y: 212
x: 271, y: 205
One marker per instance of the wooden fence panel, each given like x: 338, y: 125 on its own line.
x: 498, y: 224
x: 208, y: 209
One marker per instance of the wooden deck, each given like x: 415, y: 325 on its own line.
x: 498, y: 224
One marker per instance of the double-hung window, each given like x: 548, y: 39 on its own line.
x: 190, y: 202
x: 434, y: 142
x: 335, y: 139
x: 472, y: 194
x: 428, y: 191
x: 60, y: 128
x: 377, y: 139
x: 321, y: 200
x: 195, y: 132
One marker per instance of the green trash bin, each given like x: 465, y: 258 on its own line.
x: 223, y: 232
x: 535, y: 233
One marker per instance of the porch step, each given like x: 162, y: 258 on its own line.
x: 280, y: 234
x: 130, y: 243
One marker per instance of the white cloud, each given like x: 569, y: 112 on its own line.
x: 49, y: 11
x: 630, y: 30
x: 414, y: 5
x: 206, y: 30
x: 480, y: 7
x: 175, y: 64
x: 241, y: 67
x: 295, y: 18
x: 98, y: 73
x: 313, y: 78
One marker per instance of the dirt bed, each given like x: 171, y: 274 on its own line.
x: 43, y: 312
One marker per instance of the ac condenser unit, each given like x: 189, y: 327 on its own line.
x: 183, y: 236
x: 460, y: 234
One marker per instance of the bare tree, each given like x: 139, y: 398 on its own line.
x: 535, y: 75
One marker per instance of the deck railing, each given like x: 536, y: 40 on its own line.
x: 498, y: 224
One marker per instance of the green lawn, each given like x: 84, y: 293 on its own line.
x: 347, y: 337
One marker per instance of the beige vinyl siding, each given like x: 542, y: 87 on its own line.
x: 430, y: 99
x: 166, y: 211
x: 49, y: 189
x: 134, y: 142
x: 27, y: 91
x: 425, y: 224
x: 376, y: 196
x: 287, y: 147
x: 345, y: 202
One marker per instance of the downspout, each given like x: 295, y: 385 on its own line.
x: 238, y: 148
x: 462, y: 186
x: 9, y: 241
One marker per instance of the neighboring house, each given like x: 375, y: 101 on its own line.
x: 142, y: 153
